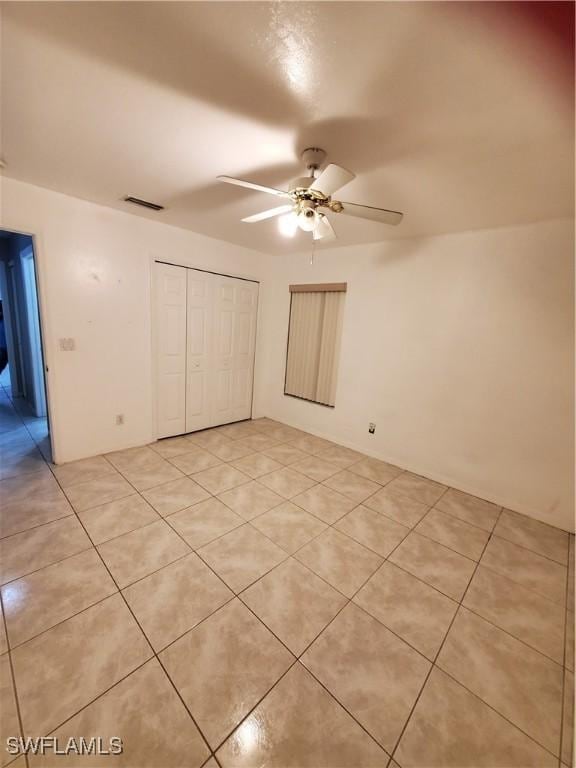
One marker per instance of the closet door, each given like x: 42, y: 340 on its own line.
x: 235, y: 307
x: 170, y: 300
x: 199, y: 352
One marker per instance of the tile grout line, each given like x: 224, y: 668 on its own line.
x: 533, y: 551
x: 459, y: 519
x: 299, y: 657
x: 295, y: 470
x: 23, y: 474
x: 561, y: 749
x: 349, y: 600
x: 528, y: 589
x: 139, y: 666
x: 114, y: 538
x: 235, y: 595
x: 491, y: 534
x: 40, y: 525
x: 260, y: 700
x: 446, y: 488
x: 9, y: 651
x: 259, y: 619
x: 100, y: 600
x: 435, y: 666
x: 472, y: 610
x: 211, y: 753
x: 250, y: 521
x: 290, y: 555
x: 13, y: 679
x: 19, y: 415
x: 500, y: 714
x: 27, y: 574
x: 155, y: 655
x: 321, y: 631
x: 193, y: 551
x: 161, y: 568
x: 475, y: 612
x: 103, y: 693
x: 247, y: 521
x: 48, y: 565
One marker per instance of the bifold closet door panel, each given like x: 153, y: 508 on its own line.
x: 223, y: 350
x: 170, y: 289
x: 200, y: 355
x: 235, y: 309
x: 246, y: 311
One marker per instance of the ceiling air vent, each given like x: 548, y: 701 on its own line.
x: 144, y: 203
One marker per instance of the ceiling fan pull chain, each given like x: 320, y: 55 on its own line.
x: 312, y: 253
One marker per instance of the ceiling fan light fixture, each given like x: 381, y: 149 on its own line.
x: 288, y: 224
x: 307, y: 215
x: 307, y: 220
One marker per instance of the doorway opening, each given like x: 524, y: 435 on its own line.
x: 23, y: 403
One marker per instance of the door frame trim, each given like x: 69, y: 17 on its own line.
x: 45, y: 337
x: 210, y: 271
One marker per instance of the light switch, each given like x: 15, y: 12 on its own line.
x: 67, y: 345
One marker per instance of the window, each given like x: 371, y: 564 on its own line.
x: 315, y: 325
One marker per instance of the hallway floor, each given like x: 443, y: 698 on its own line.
x: 252, y: 595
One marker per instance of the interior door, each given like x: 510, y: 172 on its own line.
x: 235, y: 308
x: 33, y: 328
x: 199, y: 349
x: 170, y: 290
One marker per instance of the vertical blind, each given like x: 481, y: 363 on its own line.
x: 316, y: 313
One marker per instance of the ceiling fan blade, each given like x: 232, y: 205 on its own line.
x: 374, y: 214
x: 251, y: 185
x: 268, y: 214
x: 331, y: 179
x: 323, y: 229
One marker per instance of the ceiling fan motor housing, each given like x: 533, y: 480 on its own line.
x: 313, y: 158
x: 300, y: 190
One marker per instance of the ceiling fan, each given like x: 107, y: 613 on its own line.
x: 309, y: 195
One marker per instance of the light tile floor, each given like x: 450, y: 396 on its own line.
x: 255, y: 596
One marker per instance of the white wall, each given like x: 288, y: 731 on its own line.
x: 460, y: 348
x: 94, y: 272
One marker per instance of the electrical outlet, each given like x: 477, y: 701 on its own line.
x: 120, y: 419
x: 371, y: 428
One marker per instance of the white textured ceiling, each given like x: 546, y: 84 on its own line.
x: 459, y: 114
